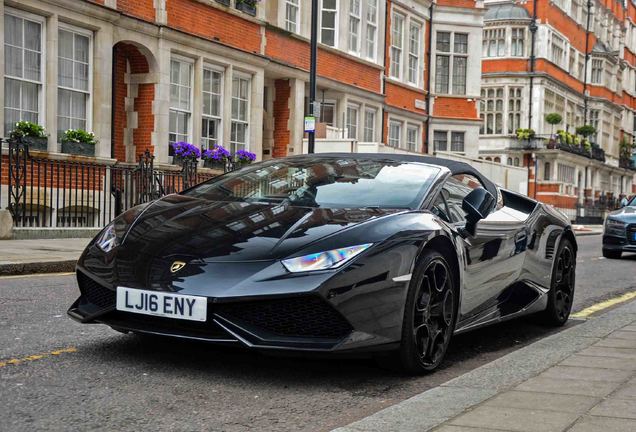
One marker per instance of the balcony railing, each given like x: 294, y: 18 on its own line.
x: 627, y: 163
x: 550, y: 142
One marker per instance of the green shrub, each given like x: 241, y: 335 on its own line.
x: 27, y: 129
x: 79, y: 136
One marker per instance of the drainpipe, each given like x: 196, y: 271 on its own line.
x: 533, y: 61
x: 429, y: 61
x: 112, y: 103
x: 587, y: 59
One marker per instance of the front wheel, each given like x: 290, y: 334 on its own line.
x: 430, y: 314
x: 561, y: 293
x: 612, y: 254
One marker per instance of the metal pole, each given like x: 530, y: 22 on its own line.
x: 312, y: 70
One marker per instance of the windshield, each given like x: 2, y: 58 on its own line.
x: 325, y: 182
x: 632, y: 203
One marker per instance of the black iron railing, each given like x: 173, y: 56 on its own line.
x: 51, y: 193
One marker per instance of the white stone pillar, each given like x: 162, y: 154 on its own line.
x: 102, y: 92
x: 50, y: 78
x: 256, y: 114
x: 226, y: 110
x: 296, y: 115
x: 161, y: 104
x: 197, y: 105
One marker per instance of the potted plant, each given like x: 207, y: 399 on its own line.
x: 78, y: 142
x: 247, y: 6
x: 243, y: 157
x: 553, y: 119
x: 184, y: 151
x: 216, y: 158
x: 31, y: 134
x: 525, y: 134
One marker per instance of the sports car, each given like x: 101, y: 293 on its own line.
x: 332, y: 253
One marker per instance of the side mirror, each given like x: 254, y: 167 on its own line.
x: 477, y: 206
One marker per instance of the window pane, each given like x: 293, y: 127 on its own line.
x: 32, y: 62
x: 81, y: 48
x: 32, y: 35
x: 443, y: 41
x: 65, y: 44
x: 440, y: 140
x: 461, y: 43
x: 442, y: 74
x: 13, y: 61
x: 13, y: 31
x: 459, y: 75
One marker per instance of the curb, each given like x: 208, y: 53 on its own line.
x: 19, y: 269
x: 430, y: 409
x: 587, y: 233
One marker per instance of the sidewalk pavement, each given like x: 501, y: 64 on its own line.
x: 40, y: 256
x: 582, y: 379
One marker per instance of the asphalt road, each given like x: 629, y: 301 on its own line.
x: 104, y: 380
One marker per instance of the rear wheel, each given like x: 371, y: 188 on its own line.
x: 561, y: 293
x: 429, y: 317
x: 612, y: 254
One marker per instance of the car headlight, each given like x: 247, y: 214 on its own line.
x: 613, y: 226
x: 324, y: 260
x: 107, y: 240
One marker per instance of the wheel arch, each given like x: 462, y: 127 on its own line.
x: 444, y: 246
x: 568, y: 234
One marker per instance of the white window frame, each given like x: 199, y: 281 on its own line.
x: 410, y: 127
x: 336, y: 23
x: 355, y: 17
x: 190, y: 61
x: 396, y: 68
x: 43, y: 63
x: 452, y: 55
x: 204, y: 116
x: 597, y: 74
x: 522, y: 37
x: 366, y: 131
x: 449, y: 140
x: 447, y: 144
x: 248, y: 122
x: 493, y: 95
x: 560, y: 42
x: 352, y: 107
x: 494, y: 37
x: 368, y: 25
x: 391, y: 141
x: 91, y: 56
x: 419, y: 76
x: 292, y: 4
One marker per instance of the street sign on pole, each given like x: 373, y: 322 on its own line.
x: 310, y: 124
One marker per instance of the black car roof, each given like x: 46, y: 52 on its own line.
x: 455, y: 167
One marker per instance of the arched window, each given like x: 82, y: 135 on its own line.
x: 509, y: 162
x: 498, y: 159
x: 546, y: 171
x: 489, y: 159
x: 517, y: 161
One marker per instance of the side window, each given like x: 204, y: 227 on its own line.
x: 439, y: 207
x: 456, y: 189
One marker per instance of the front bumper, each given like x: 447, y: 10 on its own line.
x: 625, y: 242
x: 295, y: 321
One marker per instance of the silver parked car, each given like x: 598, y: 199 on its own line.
x: 619, y: 234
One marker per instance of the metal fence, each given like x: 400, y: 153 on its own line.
x: 51, y: 193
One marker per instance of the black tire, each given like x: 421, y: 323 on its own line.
x: 561, y: 295
x: 612, y: 254
x: 429, y: 315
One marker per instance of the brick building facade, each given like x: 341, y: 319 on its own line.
x: 571, y: 57
x: 141, y: 74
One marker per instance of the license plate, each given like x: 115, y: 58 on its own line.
x: 162, y: 304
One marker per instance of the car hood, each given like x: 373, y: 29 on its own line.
x: 625, y: 214
x: 214, y: 231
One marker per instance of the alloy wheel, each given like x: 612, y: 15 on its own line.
x: 564, y: 283
x: 434, y: 314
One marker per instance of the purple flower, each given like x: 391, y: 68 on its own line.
x: 216, y: 154
x: 244, y: 156
x: 186, y: 150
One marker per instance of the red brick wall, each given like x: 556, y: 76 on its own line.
x: 129, y: 54
x: 458, y: 108
x: 281, y: 118
x: 144, y: 9
x: 212, y: 23
x: 295, y: 52
x: 404, y: 98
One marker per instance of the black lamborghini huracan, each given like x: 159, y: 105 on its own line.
x: 338, y: 253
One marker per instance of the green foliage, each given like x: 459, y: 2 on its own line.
x: 79, y: 136
x: 554, y: 118
x: 626, y: 148
x: 525, y: 134
x: 27, y: 129
x: 586, y: 130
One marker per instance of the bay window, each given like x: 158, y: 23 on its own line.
x: 73, y: 79
x: 329, y: 22
x: 518, y: 42
x: 557, y: 50
x: 494, y: 43
x: 180, y: 100
x: 22, y: 69
x: 240, y: 113
x: 492, y: 111
x: 597, y: 71
x: 514, y: 109
x: 212, y: 107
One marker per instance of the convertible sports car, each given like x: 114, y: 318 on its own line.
x: 332, y: 253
